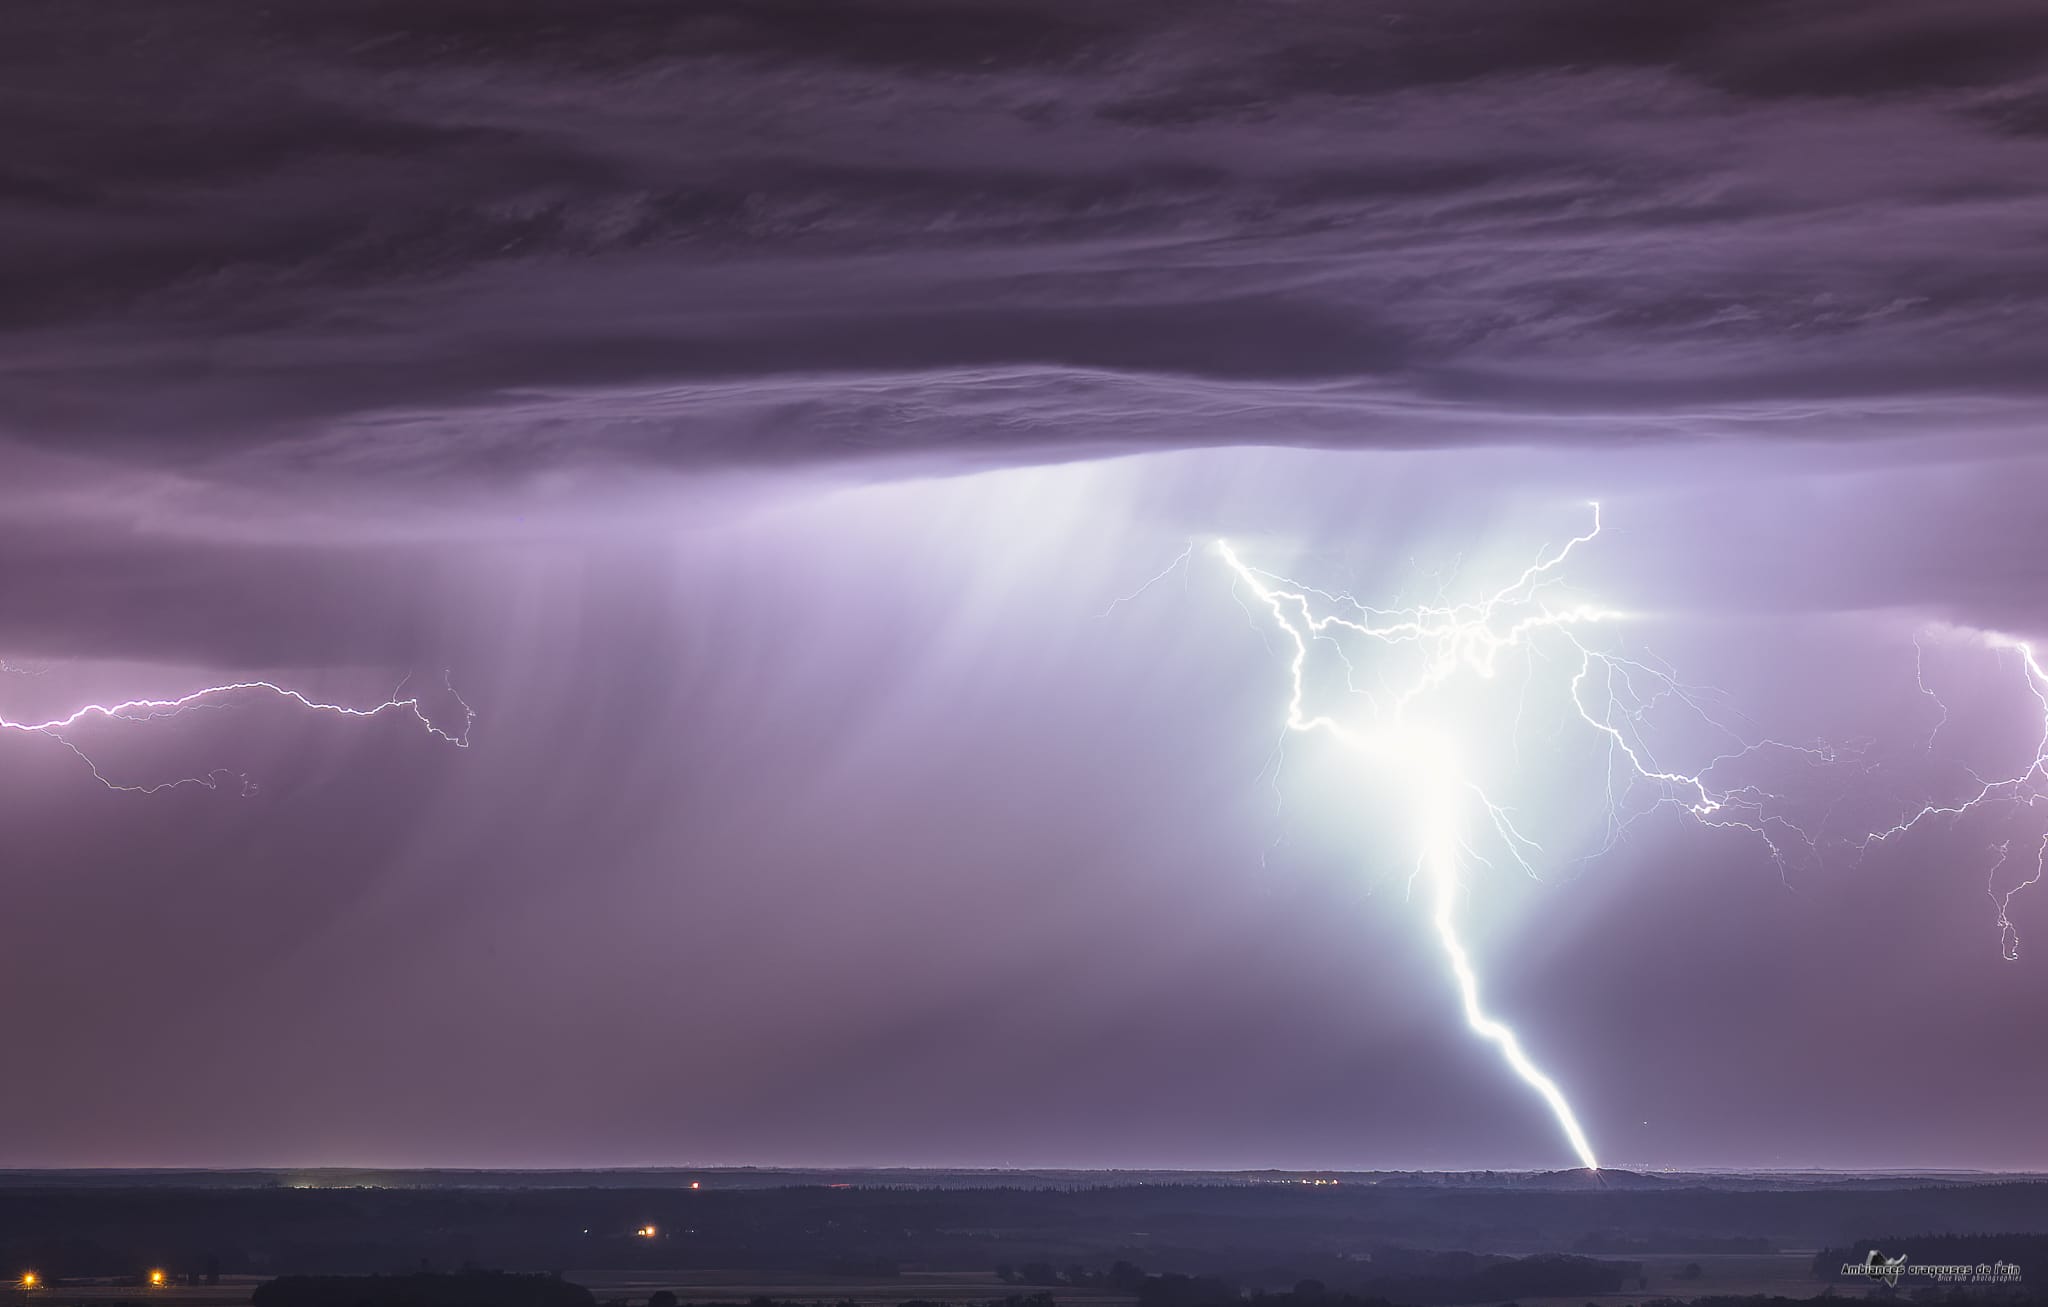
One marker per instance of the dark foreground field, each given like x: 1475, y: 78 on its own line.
x: 1034, y: 1238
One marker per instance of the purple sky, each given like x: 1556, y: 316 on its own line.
x: 756, y: 407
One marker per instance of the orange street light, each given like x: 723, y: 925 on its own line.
x: 30, y: 1280
x: 156, y: 1279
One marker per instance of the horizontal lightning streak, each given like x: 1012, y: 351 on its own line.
x: 145, y: 710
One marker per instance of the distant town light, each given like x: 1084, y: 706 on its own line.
x: 30, y: 1280
x: 645, y: 1232
x: 695, y: 1185
x: 156, y: 1279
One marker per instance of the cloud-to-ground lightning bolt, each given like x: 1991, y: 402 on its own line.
x: 1460, y: 639
x: 60, y: 729
x: 1413, y: 719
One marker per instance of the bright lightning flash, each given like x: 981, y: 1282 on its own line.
x: 1422, y: 705
x: 1468, y: 638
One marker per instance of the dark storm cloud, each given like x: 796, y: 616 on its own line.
x: 94, y: 593
x: 377, y: 236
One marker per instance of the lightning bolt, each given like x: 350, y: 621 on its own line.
x: 2008, y: 935
x: 1180, y: 561
x: 1426, y: 662
x: 2023, y: 789
x: 59, y: 729
x: 1459, y: 638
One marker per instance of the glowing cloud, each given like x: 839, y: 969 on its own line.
x: 1464, y: 639
x: 1410, y: 709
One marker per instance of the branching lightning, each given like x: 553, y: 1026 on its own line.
x: 2026, y: 788
x: 1410, y: 712
x: 61, y: 729
x: 1409, y: 709
x: 1458, y: 639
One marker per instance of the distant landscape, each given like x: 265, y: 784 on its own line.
x: 1027, y: 1238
